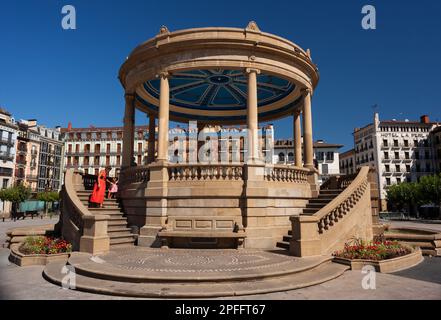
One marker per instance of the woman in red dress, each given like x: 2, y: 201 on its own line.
x: 99, y: 189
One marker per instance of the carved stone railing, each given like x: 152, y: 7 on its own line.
x: 337, y: 222
x: 131, y: 175
x: 286, y: 174
x: 338, y: 182
x: 216, y: 172
x: 86, y: 232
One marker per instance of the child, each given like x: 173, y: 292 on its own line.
x: 113, y: 188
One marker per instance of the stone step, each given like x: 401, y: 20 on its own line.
x: 310, y: 211
x: 287, y: 238
x: 120, y: 235
x: 105, y: 210
x: 114, y: 229
x: 290, y: 232
x: 315, y: 205
x: 283, y: 245
x: 122, y: 241
x: 324, y: 201
x: 122, y: 222
x: 194, y: 288
x: 331, y: 191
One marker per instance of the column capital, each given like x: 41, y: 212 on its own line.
x: 297, y: 112
x: 306, y: 91
x: 129, y: 96
x: 252, y: 70
x: 163, y: 74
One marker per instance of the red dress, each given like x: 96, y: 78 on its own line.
x: 99, y: 189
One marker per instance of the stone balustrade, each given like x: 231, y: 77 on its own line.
x: 131, y: 175
x: 86, y: 232
x: 286, y: 174
x: 347, y: 216
x: 216, y: 172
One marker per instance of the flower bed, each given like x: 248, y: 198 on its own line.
x: 385, y: 256
x: 40, y: 251
x: 380, y: 250
x: 45, y: 245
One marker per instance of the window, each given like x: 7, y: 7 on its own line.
x: 96, y: 161
x: 107, y: 160
x: 408, y: 168
x: 97, y: 148
x: 291, y: 157
x: 86, y: 161
x: 397, y: 168
x: 385, y: 143
x: 398, y: 180
x: 139, y: 147
x: 407, y: 155
x: 386, y: 155
x: 388, y: 181
x: 320, y: 156
x: 330, y: 156
x: 119, y: 148
x: 395, y: 143
x: 281, y: 157
x: 415, y: 143
x: 69, y: 161
x: 108, y: 148
x: 5, y: 183
x: 387, y: 168
x: 69, y: 148
x: 139, y: 160
x: 118, y: 160
x: 406, y: 143
x: 397, y: 155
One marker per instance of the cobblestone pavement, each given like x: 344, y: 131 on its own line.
x: 8, y: 224
x: 420, y: 282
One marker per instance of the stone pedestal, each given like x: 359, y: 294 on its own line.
x: 156, y: 205
x: 305, y: 241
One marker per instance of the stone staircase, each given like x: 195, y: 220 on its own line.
x: 312, y: 207
x: 117, y: 228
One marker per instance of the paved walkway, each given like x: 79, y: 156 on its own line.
x: 420, y: 282
x: 414, y: 224
x: 8, y: 224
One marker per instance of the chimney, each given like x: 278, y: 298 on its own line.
x: 69, y: 126
x: 425, y: 119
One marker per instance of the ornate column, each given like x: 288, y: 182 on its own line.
x: 307, y: 130
x: 297, y: 139
x: 129, y: 131
x: 252, y: 115
x: 164, y: 106
x: 152, y: 139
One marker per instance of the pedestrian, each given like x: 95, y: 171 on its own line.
x: 113, y: 190
x: 99, y: 188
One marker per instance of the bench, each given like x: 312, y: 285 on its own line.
x: 202, y: 230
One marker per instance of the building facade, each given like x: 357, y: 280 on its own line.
x: 28, y: 148
x: 50, y: 164
x: 435, y: 139
x: 347, y: 162
x: 400, y: 151
x: 326, y: 156
x: 92, y: 149
x: 8, y: 141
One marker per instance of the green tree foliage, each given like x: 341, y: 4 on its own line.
x: 48, y: 197
x: 15, y: 194
x: 426, y: 191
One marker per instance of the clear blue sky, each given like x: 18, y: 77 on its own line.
x: 58, y: 76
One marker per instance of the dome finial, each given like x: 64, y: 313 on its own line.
x: 163, y: 30
x: 252, y: 25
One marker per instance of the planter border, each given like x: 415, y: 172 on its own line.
x: 24, y: 260
x: 386, y: 266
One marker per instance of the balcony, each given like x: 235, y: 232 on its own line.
x: 396, y: 160
x: 5, y: 172
x: 396, y: 146
x: 398, y: 173
x: 407, y: 160
x: 22, y: 162
x: 7, y: 142
x: 6, y: 157
x: 386, y: 160
x: 31, y: 177
x: 387, y: 173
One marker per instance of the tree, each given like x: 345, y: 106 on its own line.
x: 403, y: 195
x: 430, y: 190
x: 16, y: 195
x: 48, y: 197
